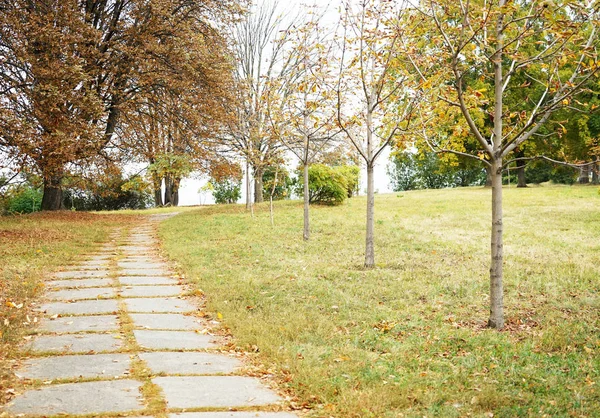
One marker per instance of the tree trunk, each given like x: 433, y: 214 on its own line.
x: 168, y: 191
x: 595, y: 167
x: 248, y: 188
x: 258, y: 185
x: 53, y: 194
x: 370, y: 245
x: 156, y: 183
x: 496, y: 270
x: 521, y: 180
x: 306, y: 232
x: 175, y: 191
x: 488, y: 178
x: 584, y: 175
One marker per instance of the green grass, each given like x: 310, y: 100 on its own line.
x: 408, y: 338
x: 31, y: 248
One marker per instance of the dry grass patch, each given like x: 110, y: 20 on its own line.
x: 31, y: 248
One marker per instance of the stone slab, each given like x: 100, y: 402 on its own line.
x: 141, y: 265
x: 233, y: 415
x: 80, y: 398
x: 81, y: 283
x: 172, y: 340
x: 151, y: 291
x: 83, y: 307
x: 74, y: 366
x: 214, y: 391
x: 75, y: 343
x: 99, y: 257
x: 147, y: 280
x: 82, y: 274
x: 136, y: 248
x: 158, y: 305
x: 91, y: 265
x: 146, y: 272
x: 166, y: 321
x: 72, y: 324
x: 190, y: 363
x: 80, y: 294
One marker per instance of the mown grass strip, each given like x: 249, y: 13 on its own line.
x: 408, y: 337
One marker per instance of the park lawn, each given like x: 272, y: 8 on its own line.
x: 408, y: 338
x: 31, y: 248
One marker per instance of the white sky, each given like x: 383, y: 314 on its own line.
x: 189, y: 192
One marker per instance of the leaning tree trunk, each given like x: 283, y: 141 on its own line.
x: 369, y: 241
x: 258, y: 185
x: 496, y: 272
x: 53, y: 193
x: 306, y: 231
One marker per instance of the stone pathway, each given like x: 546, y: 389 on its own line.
x: 118, y: 338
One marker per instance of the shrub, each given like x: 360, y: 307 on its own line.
x: 326, y: 185
x: 227, y: 190
x: 24, y: 200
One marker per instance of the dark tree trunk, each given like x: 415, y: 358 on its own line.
x: 584, y: 175
x: 488, y: 179
x: 595, y: 167
x: 175, y: 191
x: 521, y: 182
x: 168, y: 191
x: 53, y: 194
x: 258, y: 185
x: 156, y: 183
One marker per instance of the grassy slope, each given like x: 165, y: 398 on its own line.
x: 31, y: 247
x: 408, y: 337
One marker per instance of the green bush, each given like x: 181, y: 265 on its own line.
x: 226, y: 191
x: 564, y: 175
x: 326, y: 185
x: 284, y: 184
x: 24, y: 200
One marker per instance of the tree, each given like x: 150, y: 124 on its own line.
x: 493, y: 37
x: 258, y: 49
x: 73, y: 67
x: 300, y: 102
x: 377, y: 92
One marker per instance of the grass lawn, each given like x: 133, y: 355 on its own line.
x: 408, y: 338
x: 31, y: 248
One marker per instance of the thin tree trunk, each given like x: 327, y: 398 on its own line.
x: 370, y: 245
x: 156, y: 183
x: 248, y: 189
x: 306, y: 231
x: 496, y: 270
x: 53, y: 195
x: 595, y: 167
x: 271, y: 199
x: 496, y: 320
